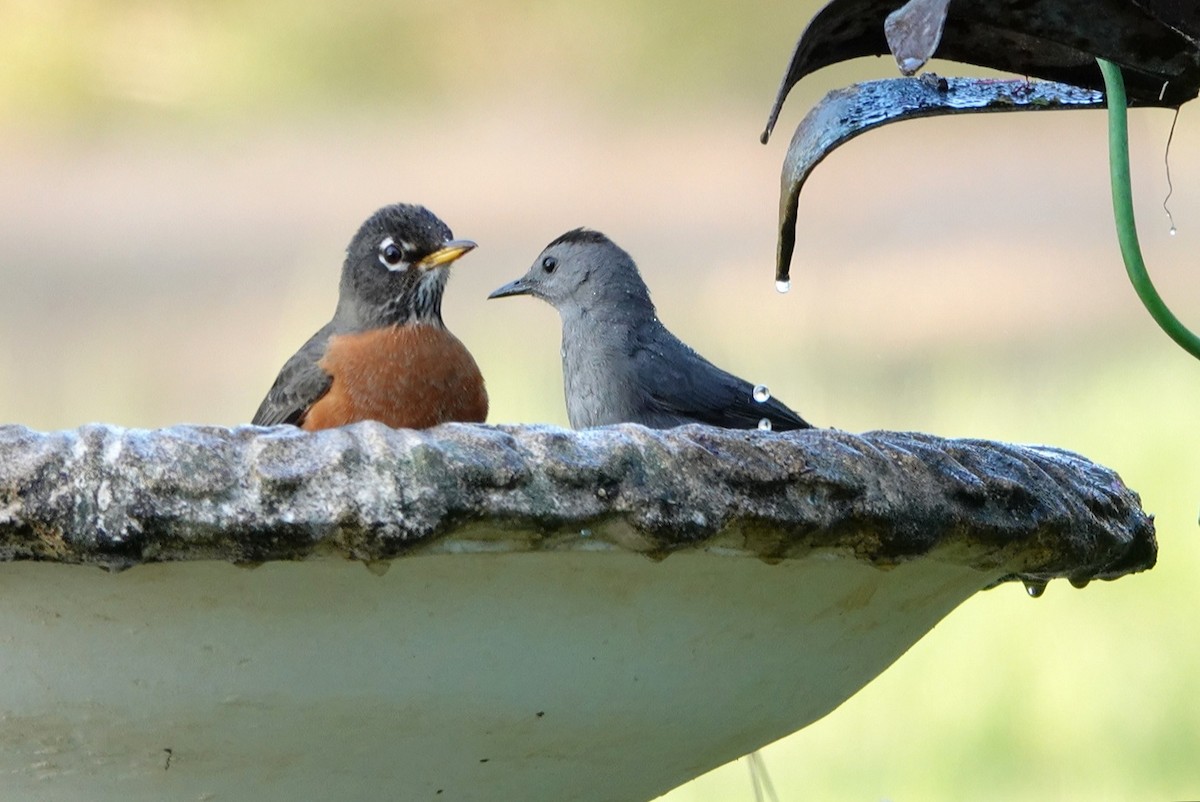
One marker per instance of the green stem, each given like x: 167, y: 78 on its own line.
x: 1122, y: 195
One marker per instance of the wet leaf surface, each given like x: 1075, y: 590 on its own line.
x: 1154, y: 41
x: 845, y: 113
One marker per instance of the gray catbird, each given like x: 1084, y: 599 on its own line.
x: 620, y: 364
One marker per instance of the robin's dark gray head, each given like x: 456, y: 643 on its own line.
x: 396, y: 269
x: 583, y: 271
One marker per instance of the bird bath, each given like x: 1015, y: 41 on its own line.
x: 482, y: 613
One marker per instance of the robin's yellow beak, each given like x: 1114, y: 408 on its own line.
x: 446, y: 254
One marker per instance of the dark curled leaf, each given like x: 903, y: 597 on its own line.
x: 1155, y: 42
x: 845, y: 113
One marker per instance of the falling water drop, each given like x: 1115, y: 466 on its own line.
x: 1172, y: 231
x: 1035, y: 589
x: 761, y: 393
x: 783, y: 286
x: 765, y: 424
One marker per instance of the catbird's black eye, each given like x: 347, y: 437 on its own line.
x: 391, y: 253
x: 549, y: 264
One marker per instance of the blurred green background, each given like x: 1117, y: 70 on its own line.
x: 178, y: 181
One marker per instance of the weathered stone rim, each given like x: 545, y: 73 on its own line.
x: 115, y: 497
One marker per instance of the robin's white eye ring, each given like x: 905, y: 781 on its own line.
x: 390, y: 253
x: 549, y: 264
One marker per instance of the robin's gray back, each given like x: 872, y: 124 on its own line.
x: 299, y: 385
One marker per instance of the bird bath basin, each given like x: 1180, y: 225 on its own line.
x: 483, y: 613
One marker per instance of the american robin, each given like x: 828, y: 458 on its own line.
x: 386, y: 355
x: 620, y: 364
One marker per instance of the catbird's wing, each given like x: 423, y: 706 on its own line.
x: 681, y: 386
x: 299, y: 385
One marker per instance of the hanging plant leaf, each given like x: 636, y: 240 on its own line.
x: 845, y: 113
x: 1155, y: 42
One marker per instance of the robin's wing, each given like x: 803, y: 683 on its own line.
x: 299, y: 385
x: 684, y: 387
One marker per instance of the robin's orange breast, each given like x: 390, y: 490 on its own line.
x: 411, y: 377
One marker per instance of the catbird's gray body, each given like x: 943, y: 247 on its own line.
x: 620, y: 363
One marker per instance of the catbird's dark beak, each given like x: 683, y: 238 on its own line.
x: 518, y: 287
